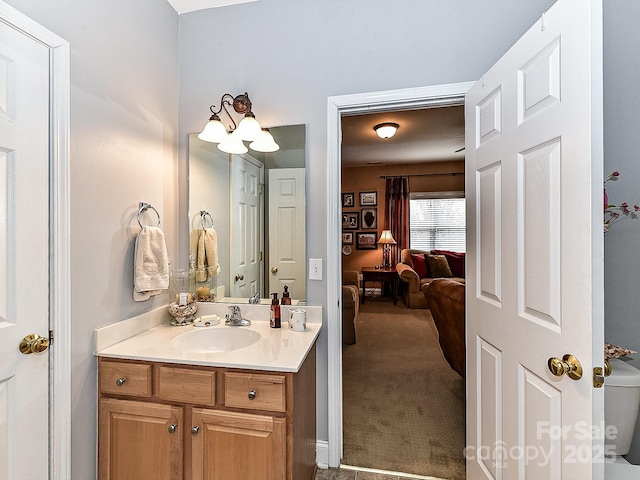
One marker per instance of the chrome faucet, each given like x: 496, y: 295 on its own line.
x: 234, y: 317
x: 255, y: 298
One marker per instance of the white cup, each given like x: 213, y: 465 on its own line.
x: 297, y: 320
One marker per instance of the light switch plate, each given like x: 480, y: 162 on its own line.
x: 315, y: 269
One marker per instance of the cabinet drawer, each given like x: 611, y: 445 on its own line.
x: 122, y: 378
x: 255, y: 391
x: 186, y: 385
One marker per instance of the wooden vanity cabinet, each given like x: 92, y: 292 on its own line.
x: 187, y: 422
x: 140, y: 440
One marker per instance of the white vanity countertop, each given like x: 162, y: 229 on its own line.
x: 278, y: 349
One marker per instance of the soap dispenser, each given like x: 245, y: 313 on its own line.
x: 286, y: 299
x: 274, y: 319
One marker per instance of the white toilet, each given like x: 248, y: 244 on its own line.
x: 621, y: 404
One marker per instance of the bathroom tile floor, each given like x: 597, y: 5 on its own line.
x: 349, y: 474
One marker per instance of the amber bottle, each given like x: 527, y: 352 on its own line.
x: 274, y: 319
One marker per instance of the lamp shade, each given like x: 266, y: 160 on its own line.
x: 233, y: 144
x: 213, y: 131
x: 386, y: 238
x: 386, y: 130
x: 264, y: 143
x: 249, y: 129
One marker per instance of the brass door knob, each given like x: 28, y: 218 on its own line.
x: 569, y: 365
x: 33, y: 343
x: 274, y: 269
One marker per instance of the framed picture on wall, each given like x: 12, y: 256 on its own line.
x: 350, y: 221
x: 368, y: 199
x: 366, y: 241
x: 348, y: 200
x: 369, y: 218
x: 347, y: 238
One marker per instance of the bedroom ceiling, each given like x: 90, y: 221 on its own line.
x: 184, y: 6
x: 427, y: 135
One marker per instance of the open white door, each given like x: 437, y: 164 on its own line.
x: 24, y: 253
x: 287, y: 231
x: 247, y: 178
x: 535, y: 252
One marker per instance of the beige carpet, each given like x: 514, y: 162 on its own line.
x: 404, y: 408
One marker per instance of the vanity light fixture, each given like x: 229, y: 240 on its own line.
x: 247, y: 130
x: 386, y: 130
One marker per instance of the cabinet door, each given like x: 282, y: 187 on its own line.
x: 139, y: 440
x: 238, y: 446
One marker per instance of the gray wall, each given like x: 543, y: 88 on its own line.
x: 124, y: 117
x: 290, y: 55
x: 621, y: 148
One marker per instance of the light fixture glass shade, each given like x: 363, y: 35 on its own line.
x: 386, y: 238
x: 249, y: 129
x: 233, y: 144
x: 214, y: 132
x: 386, y: 130
x: 264, y: 143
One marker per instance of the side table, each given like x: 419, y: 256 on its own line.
x: 383, y: 275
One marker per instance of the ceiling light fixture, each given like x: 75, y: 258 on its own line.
x: 230, y: 141
x: 386, y: 130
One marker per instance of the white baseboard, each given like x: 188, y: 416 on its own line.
x: 322, y: 454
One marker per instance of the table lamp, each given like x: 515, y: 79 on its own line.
x: 386, y: 239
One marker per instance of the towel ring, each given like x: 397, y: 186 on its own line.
x: 203, y: 218
x: 143, y: 207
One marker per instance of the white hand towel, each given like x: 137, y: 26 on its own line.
x: 150, y: 264
x: 207, y: 261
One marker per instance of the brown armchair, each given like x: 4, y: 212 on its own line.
x: 350, y: 304
x: 445, y: 299
x: 411, y: 283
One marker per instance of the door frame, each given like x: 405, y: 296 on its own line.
x: 443, y: 95
x: 59, y: 278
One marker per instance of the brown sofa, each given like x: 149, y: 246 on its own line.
x: 410, y: 282
x: 445, y: 298
x: 350, y: 304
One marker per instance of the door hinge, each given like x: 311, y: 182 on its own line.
x: 50, y: 337
x: 261, y: 188
x: 260, y: 257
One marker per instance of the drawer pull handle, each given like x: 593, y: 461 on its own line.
x: 120, y: 381
x: 252, y: 395
x: 195, y: 430
x: 173, y: 428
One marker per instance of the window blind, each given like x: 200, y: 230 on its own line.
x: 437, y: 223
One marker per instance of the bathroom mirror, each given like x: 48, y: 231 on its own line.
x: 255, y: 202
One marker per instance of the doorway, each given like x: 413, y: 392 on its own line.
x: 413, y: 98
x: 403, y: 405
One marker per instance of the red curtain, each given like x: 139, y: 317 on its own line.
x: 396, y: 216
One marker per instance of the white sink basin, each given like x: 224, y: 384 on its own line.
x: 212, y: 340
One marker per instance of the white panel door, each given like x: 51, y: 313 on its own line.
x: 534, y: 189
x: 246, y: 226
x: 287, y: 231
x: 24, y: 253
